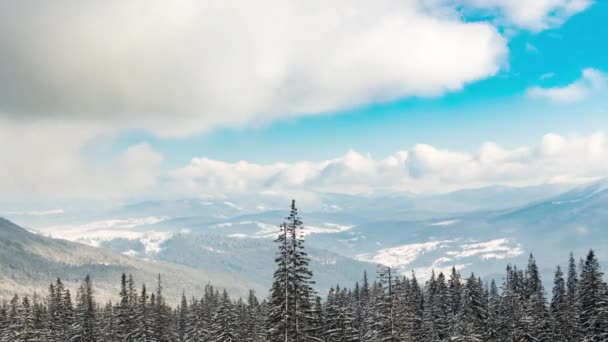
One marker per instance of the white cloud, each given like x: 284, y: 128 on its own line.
x: 177, y: 67
x: 423, y: 168
x: 535, y: 15
x: 46, y: 160
x: 591, y: 81
x: 60, y: 171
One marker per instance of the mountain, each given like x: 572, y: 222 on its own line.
x: 476, y: 230
x: 186, y: 261
x: 250, y: 258
x: 30, y: 262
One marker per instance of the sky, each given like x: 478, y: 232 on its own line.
x: 133, y: 99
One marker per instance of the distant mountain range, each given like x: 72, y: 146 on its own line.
x: 229, y: 240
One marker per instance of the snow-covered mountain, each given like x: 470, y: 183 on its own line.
x: 476, y: 230
x: 30, y: 262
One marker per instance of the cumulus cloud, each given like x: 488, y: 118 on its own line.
x: 591, y: 81
x: 534, y: 15
x: 187, y: 65
x: 423, y: 168
x: 45, y: 160
x: 138, y: 170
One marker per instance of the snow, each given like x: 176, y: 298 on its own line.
x: 127, y: 223
x: 232, y: 205
x: 266, y: 230
x: 444, y: 223
x: 402, y: 255
x: 96, y: 232
x: 493, y: 249
x: 239, y: 236
x: 36, y: 212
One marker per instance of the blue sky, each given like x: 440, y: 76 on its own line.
x: 136, y: 100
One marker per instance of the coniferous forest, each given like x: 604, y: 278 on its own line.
x: 389, y: 307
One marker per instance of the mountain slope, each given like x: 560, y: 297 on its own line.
x: 251, y: 259
x: 29, y: 262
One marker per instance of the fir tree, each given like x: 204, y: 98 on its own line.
x: 291, y: 293
x: 593, y: 301
x: 559, y: 307
x: 572, y: 329
x: 84, y: 326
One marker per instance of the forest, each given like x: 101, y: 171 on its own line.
x: 390, y: 307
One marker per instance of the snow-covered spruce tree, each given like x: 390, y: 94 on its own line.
x: 428, y: 322
x: 107, y: 326
x: 436, y: 308
x: 414, y: 307
x: 125, y: 313
x: 84, y: 326
x: 593, y: 301
x: 572, y: 329
x: 511, y: 312
x: 385, y: 323
x: 364, y: 308
x: 143, y: 323
x: 559, y: 307
x: 537, y: 320
x: 59, y: 312
x: 27, y: 330
x: 493, y: 323
x: 454, y: 299
x: 3, y: 319
x: 253, y: 320
x: 440, y: 308
x: 161, y: 316
x: 182, y: 320
x: 471, y: 324
x: 340, y: 317
x: 291, y: 293
x: 223, y: 327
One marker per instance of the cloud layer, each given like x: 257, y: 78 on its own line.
x: 183, y: 66
x: 138, y: 171
x: 422, y: 168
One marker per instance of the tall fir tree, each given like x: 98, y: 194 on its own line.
x: 291, y: 293
x: 572, y: 329
x: 84, y: 327
x: 559, y: 308
x: 593, y: 301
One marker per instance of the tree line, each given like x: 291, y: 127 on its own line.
x: 392, y: 307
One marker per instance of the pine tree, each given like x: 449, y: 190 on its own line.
x: 572, y: 328
x: 161, y: 316
x: 385, y: 319
x: 559, y: 307
x: 454, y: 300
x: 291, y: 292
x: 473, y: 316
x: 593, y: 301
x: 493, y: 313
x: 125, y: 315
x: 143, y: 323
x: 84, y: 327
x: 223, y: 328
x: 538, y: 325
x: 182, y: 320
